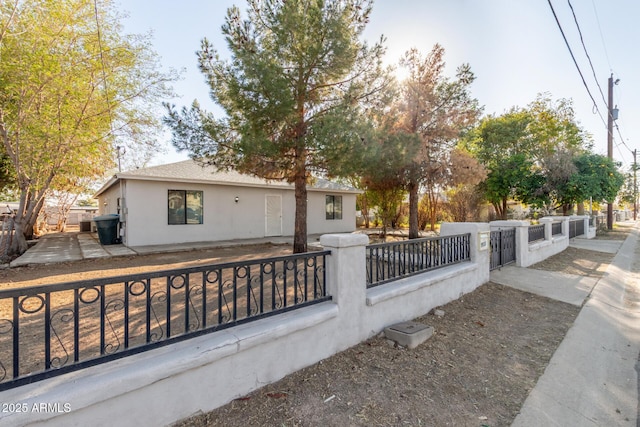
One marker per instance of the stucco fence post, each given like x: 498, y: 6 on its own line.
x: 548, y: 228
x: 347, y: 283
x: 565, y: 224
x: 478, y: 255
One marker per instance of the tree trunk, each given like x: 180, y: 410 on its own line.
x: 25, y: 220
x: 413, y: 210
x: 433, y: 210
x: 364, y: 208
x: 503, y: 214
x: 19, y: 241
x: 300, y: 227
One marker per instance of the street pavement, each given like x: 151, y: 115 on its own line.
x: 592, y: 378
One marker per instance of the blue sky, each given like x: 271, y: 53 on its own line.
x: 514, y: 48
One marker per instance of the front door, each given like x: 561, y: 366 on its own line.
x: 273, y: 215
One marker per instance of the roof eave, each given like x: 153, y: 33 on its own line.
x: 112, y: 181
x: 117, y: 177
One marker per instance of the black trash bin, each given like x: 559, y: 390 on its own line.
x: 107, y: 226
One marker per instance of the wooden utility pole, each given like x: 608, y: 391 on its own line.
x: 635, y: 187
x: 610, y: 147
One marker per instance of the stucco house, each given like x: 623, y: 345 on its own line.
x: 187, y: 202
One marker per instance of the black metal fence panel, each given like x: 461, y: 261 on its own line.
x: 536, y: 232
x: 556, y: 228
x: 503, y: 247
x: 386, y: 262
x: 52, y: 329
x: 576, y: 228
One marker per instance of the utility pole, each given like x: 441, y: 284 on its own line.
x: 610, y: 147
x: 121, y: 151
x: 611, y: 116
x: 635, y: 187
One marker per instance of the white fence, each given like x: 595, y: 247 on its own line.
x: 162, y: 386
x: 527, y: 253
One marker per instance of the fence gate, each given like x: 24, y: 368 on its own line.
x: 503, y: 247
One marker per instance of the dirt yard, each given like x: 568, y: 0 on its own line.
x: 488, y: 351
x: 106, y: 267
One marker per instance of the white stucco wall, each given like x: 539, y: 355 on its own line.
x: 108, y: 201
x: 317, y: 222
x: 223, y: 218
x: 164, y: 385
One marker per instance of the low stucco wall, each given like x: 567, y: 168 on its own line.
x: 164, y: 385
x: 528, y: 254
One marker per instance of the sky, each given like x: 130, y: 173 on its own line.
x: 515, y: 49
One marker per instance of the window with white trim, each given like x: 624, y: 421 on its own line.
x: 185, y: 207
x: 333, y: 205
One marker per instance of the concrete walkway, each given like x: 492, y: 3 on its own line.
x: 72, y: 246
x: 591, y: 379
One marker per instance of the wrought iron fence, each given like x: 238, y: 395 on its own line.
x: 52, y: 329
x: 556, y: 228
x: 536, y: 232
x: 392, y: 261
x: 503, y: 247
x: 576, y: 228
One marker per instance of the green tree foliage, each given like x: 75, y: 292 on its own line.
x: 381, y: 168
x: 629, y: 191
x: 558, y: 140
x: 504, y: 146
x: 597, y: 177
x: 293, y: 90
x: 530, y: 154
x: 388, y: 202
x: 70, y: 86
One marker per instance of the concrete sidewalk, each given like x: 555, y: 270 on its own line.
x: 591, y: 379
x: 73, y: 246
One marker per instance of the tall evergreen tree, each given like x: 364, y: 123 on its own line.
x: 293, y: 89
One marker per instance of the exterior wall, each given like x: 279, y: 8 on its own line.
x: 108, y: 201
x: 223, y: 217
x: 317, y: 222
x: 214, y: 369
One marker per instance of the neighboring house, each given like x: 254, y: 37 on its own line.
x: 187, y: 202
x: 74, y: 216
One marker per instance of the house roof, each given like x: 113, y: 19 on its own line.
x: 190, y: 171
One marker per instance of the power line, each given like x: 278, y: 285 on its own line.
x: 621, y: 138
x: 595, y: 77
x: 604, y: 45
x: 576, y: 63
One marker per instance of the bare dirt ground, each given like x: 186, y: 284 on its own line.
x: 108, y: 267
x: 487, y: 353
